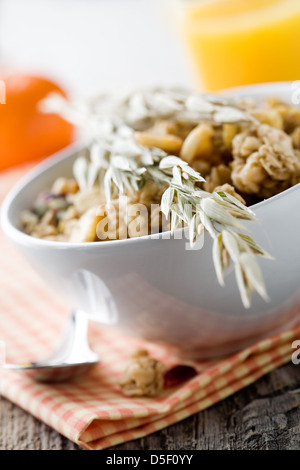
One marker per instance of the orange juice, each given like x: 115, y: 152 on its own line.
x: 238, y: 42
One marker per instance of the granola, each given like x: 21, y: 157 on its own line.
x: 252, y: 152
x: 144, y: 376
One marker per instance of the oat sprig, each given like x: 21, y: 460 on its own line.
x: 139, y: 109
x: 220, y: 214
x: 184, y: 202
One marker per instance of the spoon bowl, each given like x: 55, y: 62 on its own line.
x: 71, y: 358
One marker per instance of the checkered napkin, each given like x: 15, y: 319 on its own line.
x: 91, y: 410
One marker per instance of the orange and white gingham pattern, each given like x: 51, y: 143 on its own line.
x: 91, y: 410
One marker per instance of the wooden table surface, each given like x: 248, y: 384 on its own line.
x: 265, y: 416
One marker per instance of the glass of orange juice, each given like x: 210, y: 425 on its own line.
x: 239, y: 42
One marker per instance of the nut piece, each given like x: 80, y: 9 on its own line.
x: 84, y: 229
x: 198, y: 144
x: 144, y: 376
x: 64, y: 186
x: 168, y: 142
x: 86, y: 199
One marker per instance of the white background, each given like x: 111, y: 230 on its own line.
x: 91, y: 45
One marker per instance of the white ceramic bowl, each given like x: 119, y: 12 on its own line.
x: 155, y: 288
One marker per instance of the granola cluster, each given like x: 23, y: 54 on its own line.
x: 144, y: 376
x: 264, y: 161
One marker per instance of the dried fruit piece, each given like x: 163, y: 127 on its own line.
x: 272, y: 117
x: 229, y: 131
x: 178, y: 374
x: 296, y: 138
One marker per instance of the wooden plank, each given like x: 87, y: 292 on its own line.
x: 265, y: 415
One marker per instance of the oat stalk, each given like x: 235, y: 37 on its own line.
x: 219, y: 213
x: 139, y: 109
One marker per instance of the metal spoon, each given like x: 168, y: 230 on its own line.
x: 71, y: 358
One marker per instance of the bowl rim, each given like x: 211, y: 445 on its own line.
x: 24, y: 239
